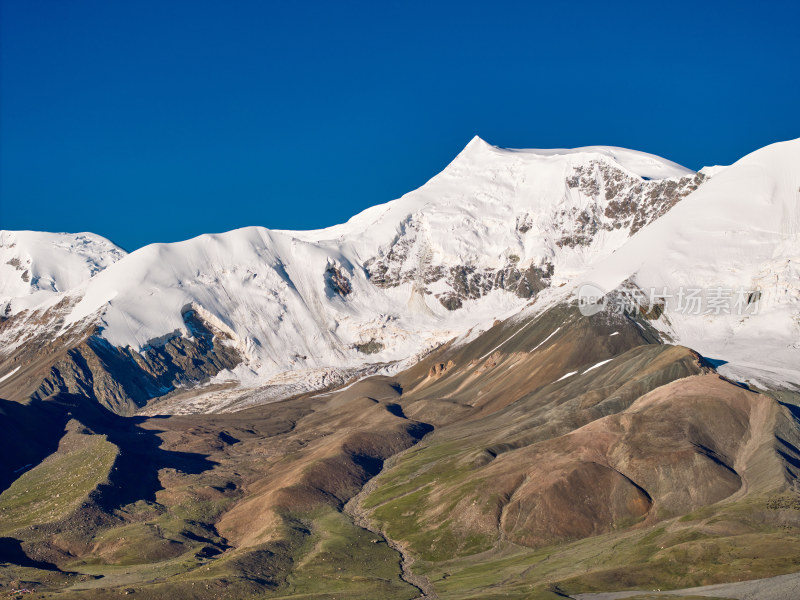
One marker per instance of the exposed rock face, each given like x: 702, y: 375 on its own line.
x: 337, y: 281
x: 457, y: 283
x: 439, y: 368
x: 124, y: 380
x: 373, y: 346
x: 15, y: 262
x: 471, y: 283
x: 599, y: 197
x: 620, y: 201
x: 121, y: 379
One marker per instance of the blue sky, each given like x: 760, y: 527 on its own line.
x: 158, y: 121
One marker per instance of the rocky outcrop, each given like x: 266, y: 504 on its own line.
x: 619, y: 201
x: 460, y: 282
x: 372, y: 346
x: 470, y: 283
x: 15, y: 262
x: 439, y: 369
x: 123, y: 380
x: 337, y: 281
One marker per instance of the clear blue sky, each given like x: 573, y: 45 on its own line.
x: 159, y: 120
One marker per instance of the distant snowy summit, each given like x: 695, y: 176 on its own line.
x: 497, y: 231
x: 35, y: 265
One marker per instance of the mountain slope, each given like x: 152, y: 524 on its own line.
x: 549, y: 454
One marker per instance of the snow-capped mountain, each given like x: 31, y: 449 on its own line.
x: 35, y: 266
x: 481, y: 240
x: 495, y: 227
x: 477, y: 241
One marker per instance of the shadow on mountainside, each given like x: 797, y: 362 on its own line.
x: 11, y: 552
x: 29, y: 433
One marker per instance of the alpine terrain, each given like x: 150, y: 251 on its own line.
x: 543, y: 374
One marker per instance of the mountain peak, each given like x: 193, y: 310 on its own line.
x: 476, y: 145
x: 641, y: 164
x: 35, y: 265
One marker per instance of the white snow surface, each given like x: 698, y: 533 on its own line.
x: 739, y: 231
x: 36, y: 267
x: 639, y: 163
